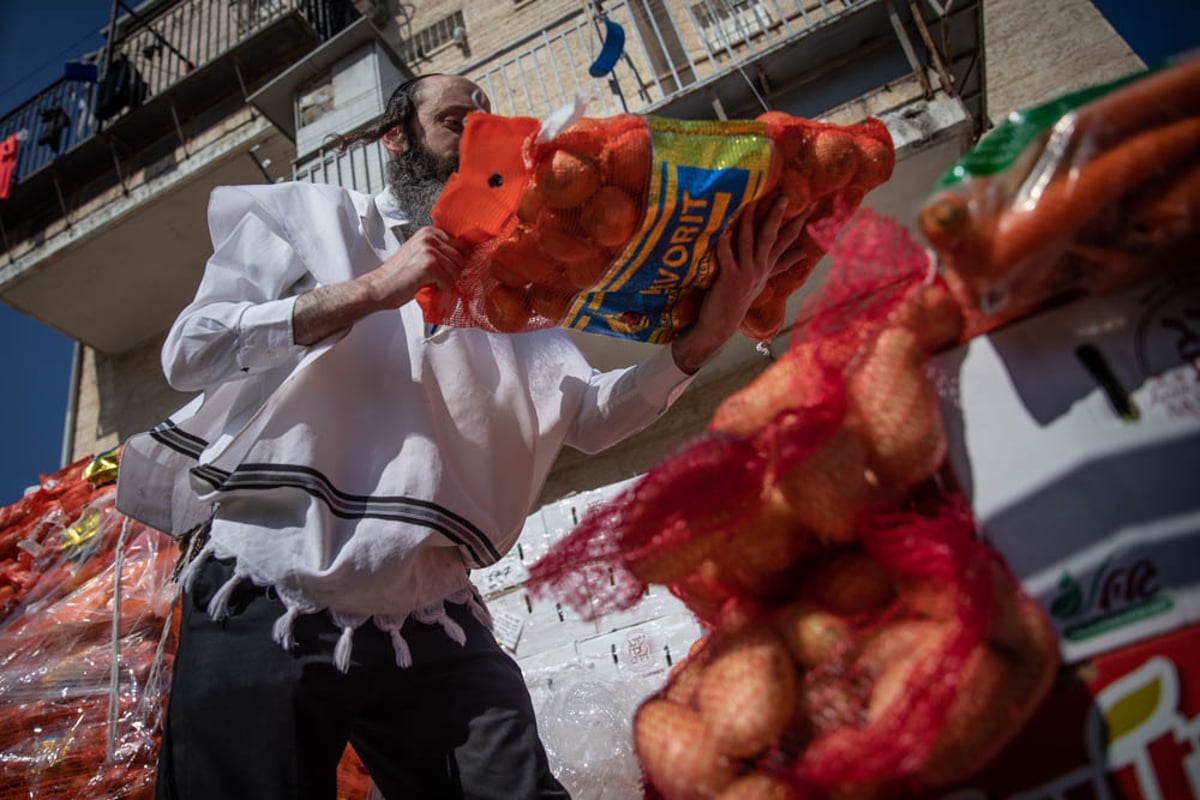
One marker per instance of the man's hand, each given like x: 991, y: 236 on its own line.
x: 748, y: 255
x: 429, y: 258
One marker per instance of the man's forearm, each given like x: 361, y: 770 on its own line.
x: 327, y: 310
x: 695, y: 346
x: 721, y: 312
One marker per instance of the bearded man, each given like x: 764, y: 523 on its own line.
x: 345, y: 466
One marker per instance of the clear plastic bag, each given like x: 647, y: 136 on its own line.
x: 585, y: 722
x: 87, y: 642
x: 88, y: 632
x: 1081, y: 196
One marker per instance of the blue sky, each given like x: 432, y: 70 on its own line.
x: 36, y: 38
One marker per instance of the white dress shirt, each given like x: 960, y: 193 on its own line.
x: 365, y: 475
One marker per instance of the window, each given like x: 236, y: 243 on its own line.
x: 426, y: 40
x: 725, y: 23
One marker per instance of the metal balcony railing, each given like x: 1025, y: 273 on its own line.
x: 668, y: 46
x: 150, y: 55
x: 361, y: 167
x: 676, y: 48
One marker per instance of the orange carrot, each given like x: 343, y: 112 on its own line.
x: 1072, y: 199
x: 1156, y: 99
x: 947, y: 221
x: 1170, y: 212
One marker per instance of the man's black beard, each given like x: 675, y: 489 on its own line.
x: 416, y: 177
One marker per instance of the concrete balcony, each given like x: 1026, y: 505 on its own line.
x: 103, y: 226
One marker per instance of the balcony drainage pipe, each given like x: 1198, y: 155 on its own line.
x: 68, y: 436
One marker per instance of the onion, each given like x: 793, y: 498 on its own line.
x: 678, y: 753
x: 747, y: 692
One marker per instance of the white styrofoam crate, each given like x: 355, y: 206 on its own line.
x: 648, y: 648
x: 1097, y: 511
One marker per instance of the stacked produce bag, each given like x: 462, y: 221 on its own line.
x: 88, y: 629
x: 86, y: 640
x: 608, y: 225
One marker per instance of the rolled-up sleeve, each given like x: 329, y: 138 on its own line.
x: 240, y: 321
x: 620, y: 403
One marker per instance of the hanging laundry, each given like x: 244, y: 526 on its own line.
x: 8, y: 163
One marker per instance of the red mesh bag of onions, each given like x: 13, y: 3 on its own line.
x: 861, y: 640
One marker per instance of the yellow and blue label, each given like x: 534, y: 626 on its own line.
x: 702, y: 174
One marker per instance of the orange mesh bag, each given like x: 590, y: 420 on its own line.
x: 854, y: 619
x: 63, y: 756
x: 59, y: 728
x: 73, y: 603
x: 607, y: 225
x: 1084, y: 195
x: 825, y: 170
x: 26, y: 524
x: 353, y: 780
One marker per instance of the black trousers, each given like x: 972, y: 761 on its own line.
x: 248, y: 719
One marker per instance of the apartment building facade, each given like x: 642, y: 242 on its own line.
x: 104, y: 229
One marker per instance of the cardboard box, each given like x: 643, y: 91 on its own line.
x: 1076, y: 434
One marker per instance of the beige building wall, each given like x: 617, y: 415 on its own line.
x: 120, y: 396
x: 1038, y: 51
x: 1034, y: 52
x: 490, y: 27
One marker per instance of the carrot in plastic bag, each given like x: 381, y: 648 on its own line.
x: 1084, y: 195
x: 80, y: 709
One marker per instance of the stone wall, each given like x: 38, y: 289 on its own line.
x: 1038, y: 51
x: 120, y: 396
